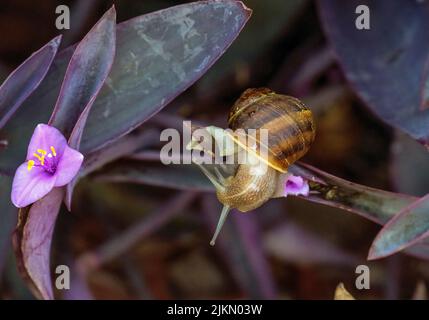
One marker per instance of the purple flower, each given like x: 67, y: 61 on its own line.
x: 296, y: 185
x: 50, y: 163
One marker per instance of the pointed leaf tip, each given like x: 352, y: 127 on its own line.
x: 25, y: 79
x: 56, y: 41
x: 246, y: 8
x: 88, y: 68
x: 111, y: 13
x: 408, y: 227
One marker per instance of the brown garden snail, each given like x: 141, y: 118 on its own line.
x: 291, y: 131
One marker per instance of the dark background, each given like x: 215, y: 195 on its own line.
x: 304, y: 250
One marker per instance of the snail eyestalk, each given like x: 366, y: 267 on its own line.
x: 211, y: 177
x: 222, y: 219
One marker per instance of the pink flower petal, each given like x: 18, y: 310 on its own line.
x: 296, y: 185
x: 44, y: 137
x: 30, y: 186
x: 68, y: 166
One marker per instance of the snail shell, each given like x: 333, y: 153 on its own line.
x: 291, y: 131
x: 290, y: 124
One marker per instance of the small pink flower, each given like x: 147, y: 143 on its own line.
x: 296, y: 185
x: 50, y: 163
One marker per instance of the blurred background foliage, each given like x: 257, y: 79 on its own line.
x: 145, y: 240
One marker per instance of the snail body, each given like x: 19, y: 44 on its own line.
x: 247, y: 190
x: 291, y: 131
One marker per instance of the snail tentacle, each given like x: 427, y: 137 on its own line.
x: 222, y: 219
x: 211, y: 177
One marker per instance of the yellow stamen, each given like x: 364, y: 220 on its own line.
x: 41, y: 151
x: 30, y: 165
x: 53, y: 151
x: 41, y: 158
x: 37, y: 156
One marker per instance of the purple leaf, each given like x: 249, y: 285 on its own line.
x: 161, y: 55
x: 149, y: 71
x: 122, y: 147
x: 32, y: 242
x: 408, y: 227
x: 373, y: 204
x: 25, y: 79
x: 386, y: 63
x: 85, y: 75
x: 181, y: 177
x: 88, y: 69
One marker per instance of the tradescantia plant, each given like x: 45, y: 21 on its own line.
x: 69, y: 113
x: 103, y: 57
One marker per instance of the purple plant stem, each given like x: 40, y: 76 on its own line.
x: 128, y: 238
